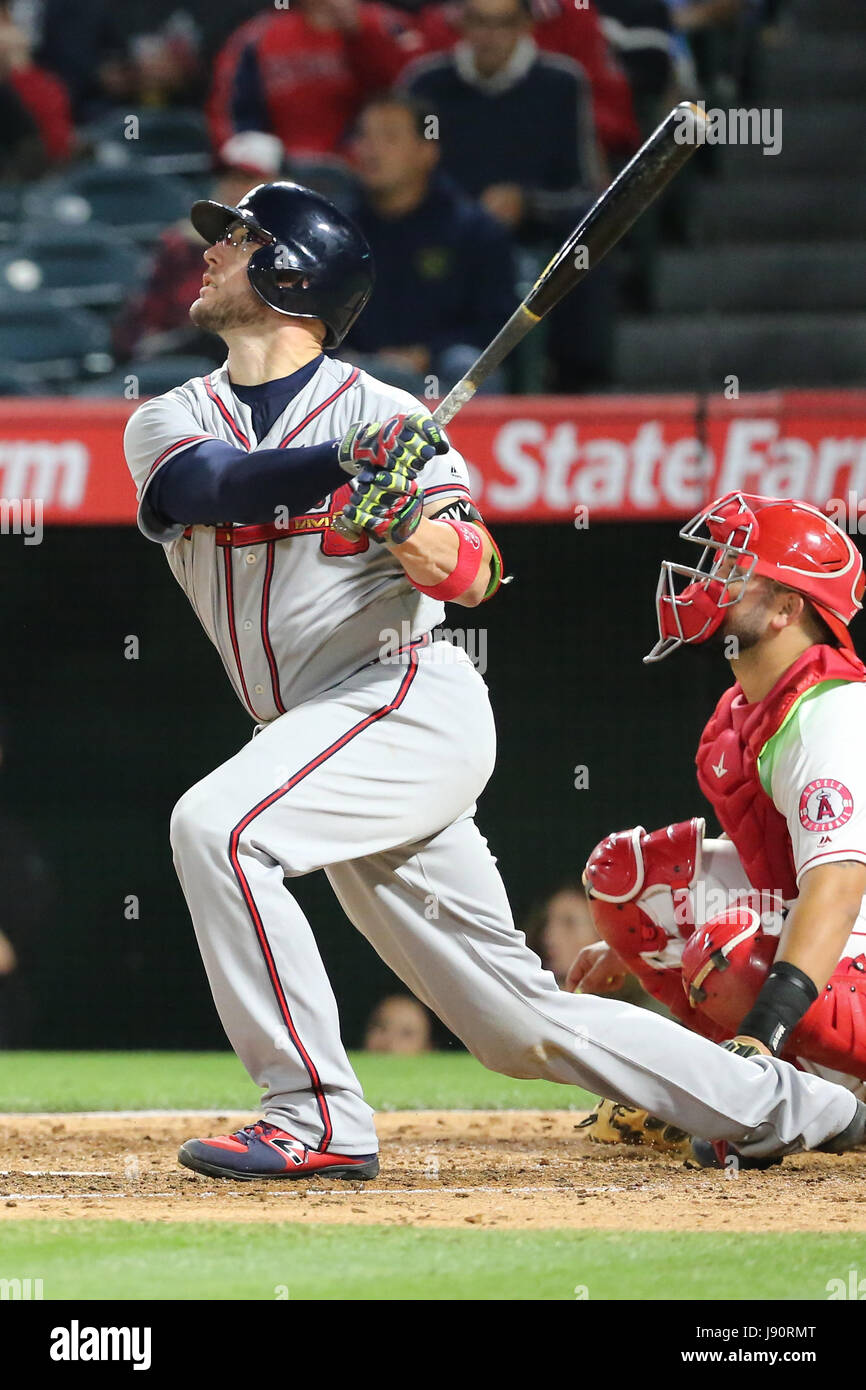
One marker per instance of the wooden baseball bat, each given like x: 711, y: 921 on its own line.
x: 635, y: 187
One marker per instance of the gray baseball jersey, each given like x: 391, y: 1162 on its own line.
x: 370, y: 769
x: 292, y: 607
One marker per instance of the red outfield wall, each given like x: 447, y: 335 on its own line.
x: 532, y: 458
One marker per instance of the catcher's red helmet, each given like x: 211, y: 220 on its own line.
x: 725, y: 963
x: 742, y: 535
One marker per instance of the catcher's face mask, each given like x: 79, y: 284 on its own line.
x: 725, y: 530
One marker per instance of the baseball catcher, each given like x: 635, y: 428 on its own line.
x: 757, y: 936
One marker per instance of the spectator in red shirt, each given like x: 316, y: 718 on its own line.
x: 156, y: 322
x: 304, y: 74
x: 39, y: 92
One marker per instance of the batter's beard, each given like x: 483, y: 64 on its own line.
x: 221, y: 318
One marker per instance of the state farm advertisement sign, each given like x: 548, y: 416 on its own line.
x: 530, y: 458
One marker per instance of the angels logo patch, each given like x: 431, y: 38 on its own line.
x: 825, y: 805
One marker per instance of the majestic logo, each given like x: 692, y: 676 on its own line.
x: 825, y: 805
x: 719, y: 768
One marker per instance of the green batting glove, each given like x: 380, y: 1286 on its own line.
x: 384, y: 506
x: 403, y: 444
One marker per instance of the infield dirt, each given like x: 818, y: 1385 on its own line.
x: 503, y: 1169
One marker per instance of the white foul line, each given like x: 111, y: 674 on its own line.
x: 317, y: 1192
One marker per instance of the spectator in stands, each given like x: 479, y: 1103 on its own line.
x: 46, y: 137
x: 399, y: 1024
x: 561, y: 928
x: 516, y: 124
x: 27, y: 906
x: 561, y: 26
x: 517, y: 132
x: 446, y: 273
x: 156, y: 322
x: 22, y: 153
x: 305, y: 73
x: 708, y: 35
x: 641, y: 33
x: 83, y: 42
x: 166, y: 64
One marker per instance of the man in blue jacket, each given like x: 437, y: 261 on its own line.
x: 445, y: 269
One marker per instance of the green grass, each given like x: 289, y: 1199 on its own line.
x: 217, y: 1081
x: 115, y: 1259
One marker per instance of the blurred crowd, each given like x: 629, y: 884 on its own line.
x: 466, y: 138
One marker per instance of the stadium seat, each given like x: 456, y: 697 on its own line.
x: 836, y: 15
x: 90, y: 266
x: 46, y: 343
x: 779, y: 209
x: 795, y: 70
x: 10, y: 211
x: 819, y: 138
x: 12, y: 383
x: 163, y: 142
x: 139, y: 202
x: 815, y: 277
x: 764, y: 351
x: 147, y: 378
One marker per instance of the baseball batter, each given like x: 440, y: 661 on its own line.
x: 372, y: 739
x: 762, y: 933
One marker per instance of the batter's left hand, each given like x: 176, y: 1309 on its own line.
x: 403, y: 444
x: 386, y: 505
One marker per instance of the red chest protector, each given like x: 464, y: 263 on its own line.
x: 727, y: 763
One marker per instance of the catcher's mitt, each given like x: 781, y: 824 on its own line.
x: 611, y: 1123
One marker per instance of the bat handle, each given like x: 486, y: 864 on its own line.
x: 343, y: 526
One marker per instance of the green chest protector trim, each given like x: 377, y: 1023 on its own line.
x: 769, y: 754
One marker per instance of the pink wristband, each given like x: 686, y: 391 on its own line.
x: 469, y: 553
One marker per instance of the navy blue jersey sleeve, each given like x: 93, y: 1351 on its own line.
x: 213, y: 482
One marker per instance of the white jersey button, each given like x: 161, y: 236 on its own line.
x: 260, y: 690
x: 247, y: 625
x: 250, y: 559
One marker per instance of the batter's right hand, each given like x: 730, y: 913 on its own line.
x: 598, y: 969
x: 401, y: 445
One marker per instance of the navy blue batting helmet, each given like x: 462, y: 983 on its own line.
x: 315, y: 263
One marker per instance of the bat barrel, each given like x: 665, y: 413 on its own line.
x: 635, y: 187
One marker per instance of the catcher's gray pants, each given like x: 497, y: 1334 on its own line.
x: 375, y: 780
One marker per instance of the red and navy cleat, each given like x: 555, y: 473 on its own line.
x: 262, y: 1151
